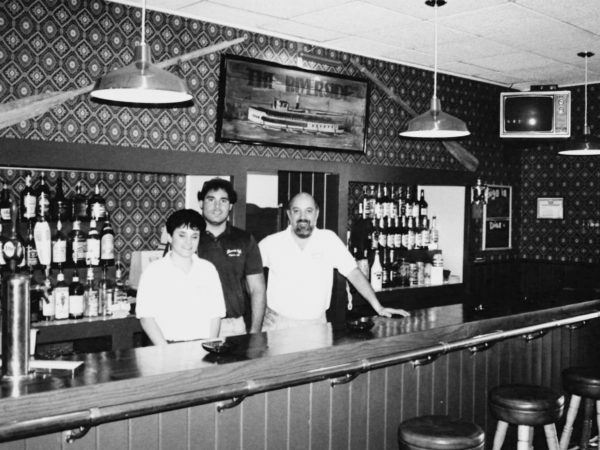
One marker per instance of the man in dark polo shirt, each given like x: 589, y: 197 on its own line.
x: 236, y: 256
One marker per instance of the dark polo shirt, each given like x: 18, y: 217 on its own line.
x: 235, y: 254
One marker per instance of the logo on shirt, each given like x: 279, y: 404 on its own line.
x: 234, y: 252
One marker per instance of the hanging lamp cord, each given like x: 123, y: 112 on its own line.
x: 435, y: 44
x: 143, y: 22
x: 585, y: 122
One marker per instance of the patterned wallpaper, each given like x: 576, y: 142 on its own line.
x: 51, y: 45
x: 544, y: 173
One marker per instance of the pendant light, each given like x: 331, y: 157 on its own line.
x: 141, y: 81
x: 589, y: 145
x: 435, y: 124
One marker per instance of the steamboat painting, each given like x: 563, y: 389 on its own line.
x: 271, y: 104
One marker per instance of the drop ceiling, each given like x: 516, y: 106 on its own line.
x: 513, y: 43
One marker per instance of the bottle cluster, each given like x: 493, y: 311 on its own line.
x: 75, y: 300
x: 56, y: 231
x: 393, y: 236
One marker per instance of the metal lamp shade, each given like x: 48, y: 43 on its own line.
x: 435, y: 124
x: 588, y: 146
x: 141, y: 82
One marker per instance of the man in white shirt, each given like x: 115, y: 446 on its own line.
x: 179, y: 296
x: 301, y: 260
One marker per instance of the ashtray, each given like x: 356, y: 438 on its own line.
x: 360, y: 323
x: 217, y: 346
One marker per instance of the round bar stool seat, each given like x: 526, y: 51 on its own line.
x: 440, y: 433
x: 526, y: 406
x: 581, y: 383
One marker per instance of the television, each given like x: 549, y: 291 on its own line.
x: 535, y: 114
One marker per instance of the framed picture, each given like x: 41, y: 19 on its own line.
x: 497, y: 219
x: 266, y: 103
x: 550, y: 208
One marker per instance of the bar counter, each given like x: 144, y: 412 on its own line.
x: 121, y: 385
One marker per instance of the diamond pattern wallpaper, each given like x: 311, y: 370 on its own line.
x: 62, y: 45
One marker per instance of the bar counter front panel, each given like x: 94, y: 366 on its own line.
x: 309, y: 388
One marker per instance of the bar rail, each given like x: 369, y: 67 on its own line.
x: 230, y: 392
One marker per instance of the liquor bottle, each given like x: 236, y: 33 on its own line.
x: 47, y: 299
x: 121, y: 301
x: 385, y: 202
x: 401, y: 198
x: 423, y: 205
x: 376, y: 273
x: 96, y: 205
x: 79, y: 204
x: 12, y: 248
x: 385, y: 274
x: 374, y: 234
x: 43, y: 241
x: 92, y: 242
x: 434, y: 235
x: 382, y: 236
x: 90, y: 295
x: 76, y: 301
x: 415, y: 204
x: 105, y: 295
x: 28, y: 201
x: 371, y: 202
x: 61, y: 297
x: 408, y: 203
x: 393, y: 202
x: 378, y: 203
x: 59, y: 207
x: 31, y: 254
x: 397, y: 233
x: 404, y: 232
x: 59, y: 246
x: 418, y: 234
x: 365, y: 201
x: 411, y: 233
x: 107, y: 243
x: 393, y: 269
x: 76, y: 246
x: 391, y: 233
x: 43, y: 198
x: 5, y: 204
x: 425, y: 235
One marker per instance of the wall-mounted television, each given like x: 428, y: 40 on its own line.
x: 535, y: 114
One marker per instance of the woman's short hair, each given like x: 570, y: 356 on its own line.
x: 185, y: 218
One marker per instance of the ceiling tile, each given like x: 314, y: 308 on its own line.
x: 301, y: 31
x: 214, y: 12
x: 353, y: 17
x: 281, y: 8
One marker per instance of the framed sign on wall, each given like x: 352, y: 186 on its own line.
x: 497, y: 219
x: 266, y: 103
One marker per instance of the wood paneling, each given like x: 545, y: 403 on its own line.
x: 362, y: 414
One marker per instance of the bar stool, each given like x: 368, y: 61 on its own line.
x: 581, y: 382
x: 525, y: 406
x: 440, y: 433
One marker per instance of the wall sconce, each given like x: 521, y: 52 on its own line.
x: 479, y: 193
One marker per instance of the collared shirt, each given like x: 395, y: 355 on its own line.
x: 183, y: 304
x: 235, y: 254
x: 300, y: 280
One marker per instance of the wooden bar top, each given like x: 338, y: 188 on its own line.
x: 128, y: 383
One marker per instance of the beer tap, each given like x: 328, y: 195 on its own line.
x: 16, y: 321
